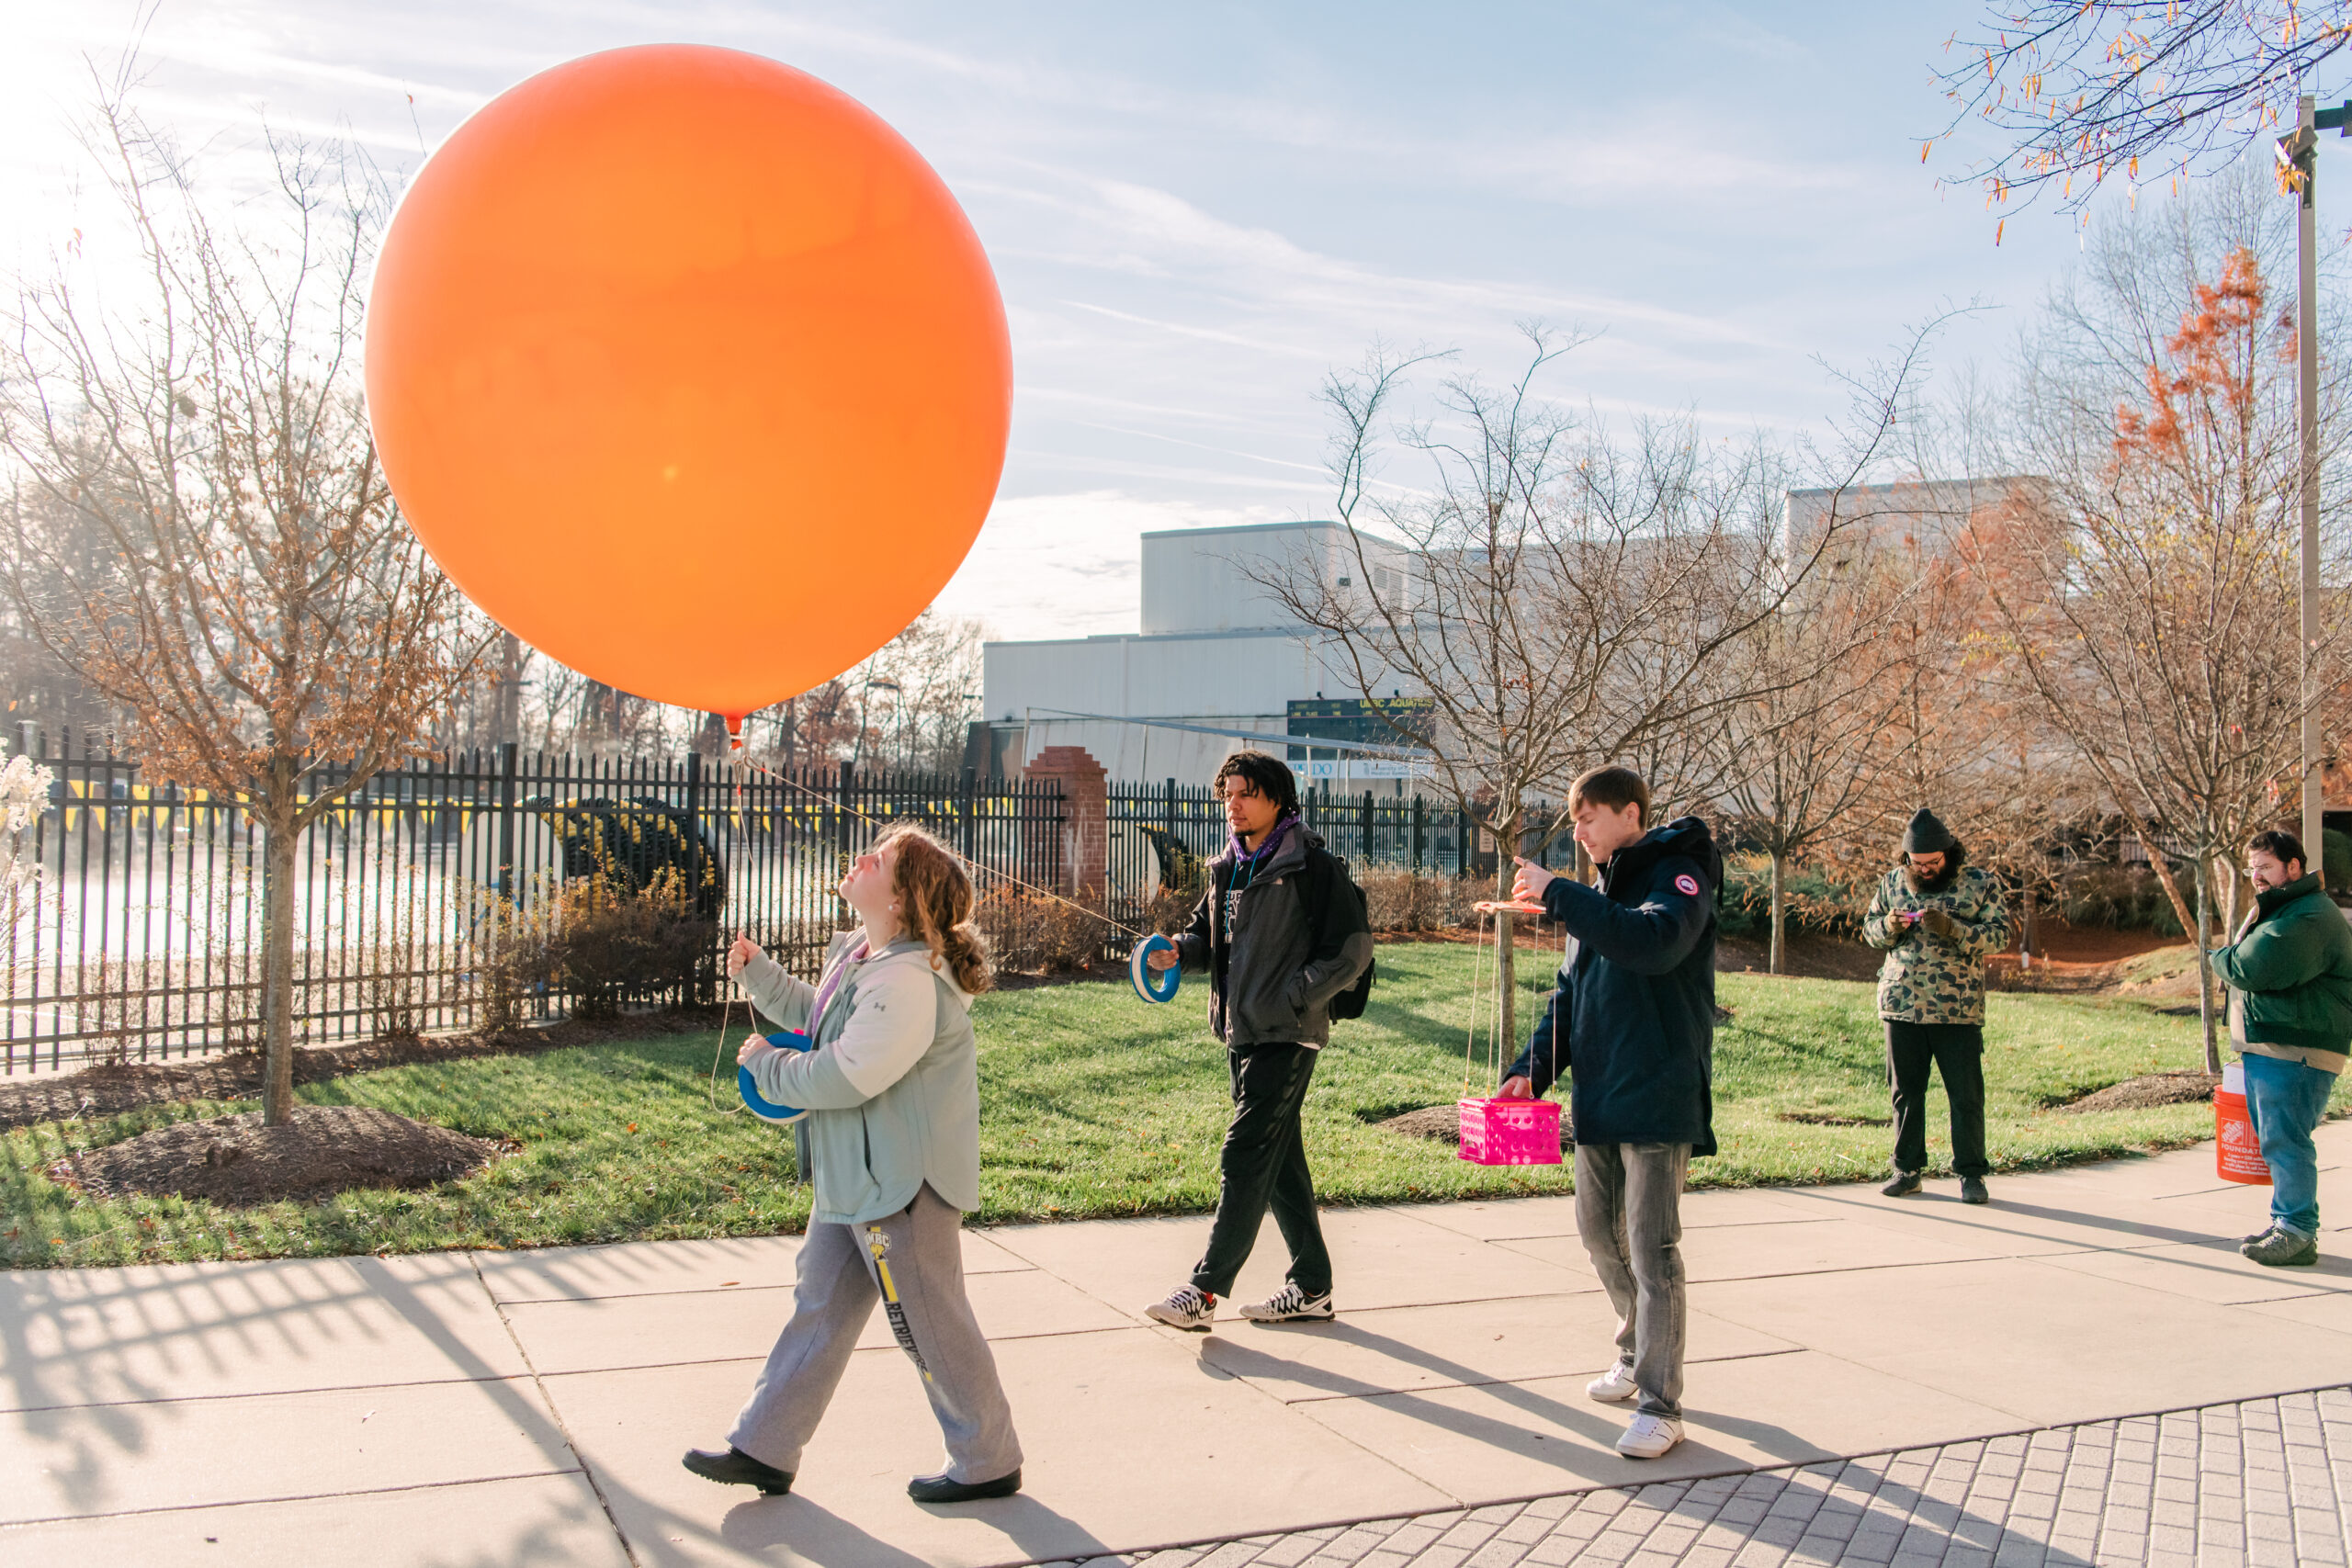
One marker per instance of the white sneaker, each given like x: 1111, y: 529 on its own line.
x: 1290, y: 1304
x: 1187, y: 1307
x: 1615, y: 1386
x: 1650, y: 1437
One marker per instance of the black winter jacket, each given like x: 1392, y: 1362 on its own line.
x: 1632, y: 1023
x: 1272, y: 977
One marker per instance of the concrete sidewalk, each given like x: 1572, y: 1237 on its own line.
x: 503, y: 1408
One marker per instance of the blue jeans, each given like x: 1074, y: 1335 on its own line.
x: 2285, y: 1100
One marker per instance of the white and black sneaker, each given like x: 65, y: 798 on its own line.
x: 1188, y: 1307
x: 1614, y: 1386
x: 1290, y: 1304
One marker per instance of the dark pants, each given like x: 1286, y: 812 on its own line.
x: 1957, y: 1051
x: 1264, y: 1165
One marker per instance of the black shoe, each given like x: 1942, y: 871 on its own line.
x: 736, y: 1468
x: 1972, y: 1191
x: 943, y: 1488
x: 1904, y: 1184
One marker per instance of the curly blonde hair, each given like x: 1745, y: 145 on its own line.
x: 936, y: 900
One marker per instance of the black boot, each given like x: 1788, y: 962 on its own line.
x: 1905, y: 1183
x: 941, y: 1488
x: 736, y: 1468
x: 1972, y: 1191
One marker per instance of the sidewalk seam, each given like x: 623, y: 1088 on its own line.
x: 587, y: 1471
x: 290, y: 1497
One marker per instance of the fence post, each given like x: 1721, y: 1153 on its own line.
x: 706, y: 968
x: 1364, y: 855
x: 1421, y: 821
x: 971, y: 790
x: 840, y: 821
x: 507, y: 821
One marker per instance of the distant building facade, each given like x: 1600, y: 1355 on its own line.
x: 1219, y: 664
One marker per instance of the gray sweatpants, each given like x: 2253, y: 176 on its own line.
x: 912, y: 1263
x: 1629, y: 1216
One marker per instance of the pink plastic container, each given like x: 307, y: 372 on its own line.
x: 1511, y: 1131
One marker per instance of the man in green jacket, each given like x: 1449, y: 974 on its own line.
x: 2290, y: 975
x: 1937, y: 919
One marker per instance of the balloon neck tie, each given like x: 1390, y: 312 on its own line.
x: 734, y: 731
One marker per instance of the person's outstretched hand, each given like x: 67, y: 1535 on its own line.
x: 754, y: 1047
x: 741, y: 952
x: 1529, y: 884
x: 1163, y: 958
x: 1516, y: 1089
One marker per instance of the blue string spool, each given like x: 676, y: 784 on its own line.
x: 765, y: 1109
x: 1153, y: 985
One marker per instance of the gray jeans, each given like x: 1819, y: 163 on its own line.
x: 1629, y: 1217
x: 914, y: 1264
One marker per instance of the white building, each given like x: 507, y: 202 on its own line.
x: 1219, y: 662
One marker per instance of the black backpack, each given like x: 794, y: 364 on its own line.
x: 1351, y: 1002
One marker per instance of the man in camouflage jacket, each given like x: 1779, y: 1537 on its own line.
x: 1938, y: 920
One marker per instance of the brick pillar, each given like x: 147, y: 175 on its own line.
x: 1086, y: 797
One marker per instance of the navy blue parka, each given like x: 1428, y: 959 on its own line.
x: 1631, y: 1023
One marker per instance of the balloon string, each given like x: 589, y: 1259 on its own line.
x: 726, y: 995
x: 972, y: 865
x: 1477, y: 995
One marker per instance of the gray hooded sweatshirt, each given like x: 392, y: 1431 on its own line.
x: 892, y: 1085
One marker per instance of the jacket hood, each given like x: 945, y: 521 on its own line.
x: 906, y: 951
x: 1686, y: 837
x: 1293, y: 852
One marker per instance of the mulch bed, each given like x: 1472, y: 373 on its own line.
x: 1443, y: 1125
x: 235, y: 1160
x: 108, y: 1089
x: 1824, y: 1119
x: 2147, y: 1092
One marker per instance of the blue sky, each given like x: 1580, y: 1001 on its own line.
x: 1196, y: 211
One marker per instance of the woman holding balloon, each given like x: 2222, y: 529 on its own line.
x: 891, y: 1084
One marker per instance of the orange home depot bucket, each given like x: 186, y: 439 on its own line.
x: 2237, y: 1153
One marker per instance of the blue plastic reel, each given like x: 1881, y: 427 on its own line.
x: 1153, y: 985
x: 768, y: 1110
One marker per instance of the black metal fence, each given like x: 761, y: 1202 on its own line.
x: 1161, y: 833
x: 142, y: 937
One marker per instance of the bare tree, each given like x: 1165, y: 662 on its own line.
x: 1558, y: 598
x: 1801, y: 749
x: 262, y: 607
x: 2083, y: 91
x: 2147, y: 600
x: 932, y: 674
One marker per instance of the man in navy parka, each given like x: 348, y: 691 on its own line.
x: 1630, y: 1025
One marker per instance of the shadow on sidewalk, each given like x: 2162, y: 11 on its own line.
x: 1594, y: 1424
x: 824, y: 1537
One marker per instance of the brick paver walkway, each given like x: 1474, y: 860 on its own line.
x: 2267, y: 1484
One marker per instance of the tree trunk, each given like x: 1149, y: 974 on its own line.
x: 277, y: 951
x: 2030, y: 928
x: 2205, y: 974
x: 509, y: 721
x: 1780, y: 912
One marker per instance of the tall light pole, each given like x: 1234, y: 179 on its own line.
x: 2299, y: 159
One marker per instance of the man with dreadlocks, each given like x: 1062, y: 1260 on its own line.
x: 1281, y: 933
x: 1937, y: 919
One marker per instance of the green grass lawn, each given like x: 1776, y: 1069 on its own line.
x: 1092, y: 1104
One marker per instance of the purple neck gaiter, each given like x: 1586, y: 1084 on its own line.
x: 1274, y: 836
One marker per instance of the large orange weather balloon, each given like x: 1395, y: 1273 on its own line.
x: 689, y: 370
